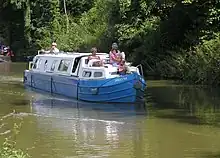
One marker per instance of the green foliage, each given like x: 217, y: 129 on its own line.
x: 200, y: 65
x: 77, y: 7
x: 95, y: 21
x: 203, y: 67
x: 167, y: 37
x: 176, y: 46
x: 8, y: 148
x: 8, y: 151
x: 19, y: 4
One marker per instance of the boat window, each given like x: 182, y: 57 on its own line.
x: 86, y: 61
x: 114, y: 73
x: 98, y: 74
x: 45, y: 65
x: 87, y: 73
x: 37, y: 63
x: 64, y: 64
x: 76, y: 62
x: 53, y: 65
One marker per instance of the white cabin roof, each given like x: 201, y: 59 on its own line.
x: 69, y: 54
x: 68, y: 64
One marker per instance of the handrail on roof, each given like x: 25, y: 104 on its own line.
x: 62, y: 52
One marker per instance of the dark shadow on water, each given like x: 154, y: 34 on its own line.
x: 211, y: 155
x: 21, y: 102
x: 179, y: 115
x: 193, y: 105
x: 11, y: 83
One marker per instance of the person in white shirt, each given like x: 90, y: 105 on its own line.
x: 54, y: 48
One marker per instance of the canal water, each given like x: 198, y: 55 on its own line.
x: 177, y: 121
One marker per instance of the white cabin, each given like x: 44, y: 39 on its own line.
x: 76, y: 65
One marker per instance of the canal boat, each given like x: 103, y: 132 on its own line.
x: 74, y: 75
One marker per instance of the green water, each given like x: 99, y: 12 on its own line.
x: 179, y: 121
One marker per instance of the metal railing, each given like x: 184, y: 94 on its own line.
x: 30, y: 64
x: 142, y: 73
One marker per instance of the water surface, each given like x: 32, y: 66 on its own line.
x: 178, y: 121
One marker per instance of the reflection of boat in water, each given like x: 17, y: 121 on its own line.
x: 4, y: 66
x: 4, y: 58
x: 55, y: 102
x: 89, y: 123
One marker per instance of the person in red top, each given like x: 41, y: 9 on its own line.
x: 122, y: 67
x: 114, y: 55
x: 10, y: 53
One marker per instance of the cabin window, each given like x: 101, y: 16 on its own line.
x: 98, y: 74
x: 114, y: 73
x: 86, y: 61
x: 76, y: 62
x: 64, y: 64
x: 45, y: 65
x: 87, y: 73
x: 53, y: 66
x: 37, y: 63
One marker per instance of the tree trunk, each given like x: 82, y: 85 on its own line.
x: 27, y: 24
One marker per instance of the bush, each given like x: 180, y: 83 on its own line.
x: 200, y: 66
x: 8, y: 149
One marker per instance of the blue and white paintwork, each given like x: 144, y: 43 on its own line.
x: 71, y: 75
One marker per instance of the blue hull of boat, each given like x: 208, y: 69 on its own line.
x: 125, y: 89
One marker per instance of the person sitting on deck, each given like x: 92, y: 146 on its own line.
x: 93, y: 56
x: 96, y: 61
x: 115, y: 55
x: 5, y: 50
x: 10, y: 52
x: 122, y: 69
x: 54, y: 48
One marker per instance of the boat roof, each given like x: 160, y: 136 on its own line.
x: 68, y: 54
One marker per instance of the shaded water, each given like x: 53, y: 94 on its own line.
x: 179, y: 121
